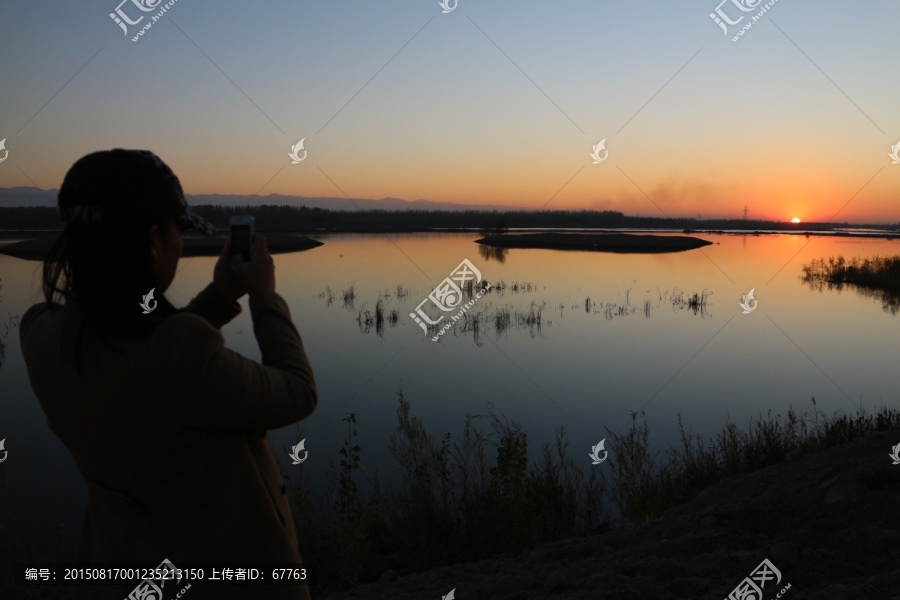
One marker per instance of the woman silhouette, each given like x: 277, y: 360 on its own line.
x: 165, y: 423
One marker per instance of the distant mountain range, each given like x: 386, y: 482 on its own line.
x: 32, y: 196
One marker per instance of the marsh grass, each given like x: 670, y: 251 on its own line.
x: 611, y: 309
x: 349, y: 295
x: 328, y: 295
x: 507, y: 317
x: 534, y: 318
x: 458, y: 499
x: 501, y: 287
x: 876, y: 277
x: 377, y: 319
x: 643, y: 487
x: 476, y: 320
x: 484, y: 492
x: 6, y: 328
x: 502, y: 319
x: 697, y: 303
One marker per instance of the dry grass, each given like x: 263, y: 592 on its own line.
x: 479, y: 495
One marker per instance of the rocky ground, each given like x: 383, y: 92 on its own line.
x: 828, y: 521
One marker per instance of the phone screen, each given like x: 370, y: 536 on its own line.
x: 240, y: 241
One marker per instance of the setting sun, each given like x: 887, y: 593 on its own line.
x: 795, y: 220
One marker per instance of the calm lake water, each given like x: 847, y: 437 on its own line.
x: 616, y: 335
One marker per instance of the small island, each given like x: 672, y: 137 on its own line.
x: 600, y: 242
x: 194, y: 245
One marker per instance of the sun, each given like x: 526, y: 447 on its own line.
x: 795, y: 220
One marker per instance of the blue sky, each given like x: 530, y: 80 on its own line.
x: 495, y: 102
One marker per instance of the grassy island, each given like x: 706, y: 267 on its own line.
x: 602, y: 242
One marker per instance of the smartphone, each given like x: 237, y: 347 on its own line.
x: 241, y: 235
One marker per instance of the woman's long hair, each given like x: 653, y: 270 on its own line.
x: 102, y: 261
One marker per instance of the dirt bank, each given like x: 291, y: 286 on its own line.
x: 827, y: 521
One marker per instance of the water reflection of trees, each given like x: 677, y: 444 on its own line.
x: 876, y: 277
x: 490, y: 253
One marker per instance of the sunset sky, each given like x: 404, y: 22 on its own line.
x: 495, y: 102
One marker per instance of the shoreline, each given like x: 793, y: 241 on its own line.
x: 36, y: 247
x: 7, y: 234
x: 32, y: 244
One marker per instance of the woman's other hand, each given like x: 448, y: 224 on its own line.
x: 224, y: 277
x: 234, y: 278
x: 259, y: 273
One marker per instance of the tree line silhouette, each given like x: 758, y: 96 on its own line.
x: 270, y: 217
